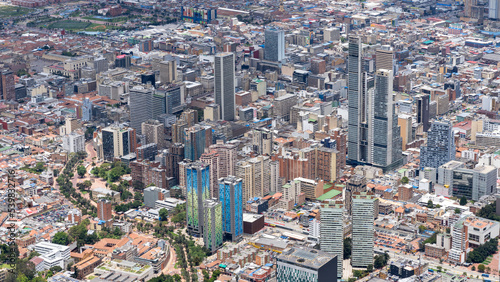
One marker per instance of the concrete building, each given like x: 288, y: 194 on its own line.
x: 168, y: 71
x: 363, y: 210
x: 153, y: 194
x: 74, y: 143
x: 256, y: 175
x: 211, y: 112
x: 282, y: 106
x: 423, y: 113
x: 355, y: 184
x: 224, y: 85
x: 196, y: 139
x: 474, y: 183
x: 154, y: 131
x: 274, y: 48
x: 262, y: 141
x: 86, y: 110
x: 332, y: 231
x: 104, y: 210
x: 52, y: 255
x: 141, y: 107
x: 440, y: 147
x: 117, y: 142
x: 305, y: 264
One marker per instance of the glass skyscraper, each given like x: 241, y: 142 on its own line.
x: 274, y: 48
x: 231, y: 198
x: 198, y: 190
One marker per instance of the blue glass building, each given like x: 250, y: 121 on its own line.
x: 231, y: 198
x: 198, y: 190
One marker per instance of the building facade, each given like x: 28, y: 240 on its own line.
x: 224, y: 85
x: 363, y: 209
x: 198, y: 190
x: 332, y: 231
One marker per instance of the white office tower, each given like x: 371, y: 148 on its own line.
x: 224, y: 85
x: 362, y: 229
x: 332, y: 231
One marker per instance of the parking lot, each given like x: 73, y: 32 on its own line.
x: 55, y: 215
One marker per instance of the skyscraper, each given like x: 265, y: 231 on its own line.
x: 274, y: 48
x: 262, y: 141
x: 423, y: 111
x: 362, y: 229
x: 356, y: 183
x: 198, y: 190
x: 387, y: 141
x: 440, y: 147
x: 104, y: 210
x: 358, y: 111
x: 256, y: 175
x: 7, y: 86
x: 384, y: 58
x: 231, y: 198
x: 494, y: 9
x: 154, y: 132
x: 140, y: 106
x: 306, y: 265
x: 211, y: 158
x: 213, y: 234
x: 196, y: 139
x: 332, y: 231
x: 224, y: 85
x: 117, y: 142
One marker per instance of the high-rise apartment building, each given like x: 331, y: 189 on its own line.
x: 104, y: 210
x: 386, y: 151
x: 117, y: 142
x: 224, y: 85
x: 197, y: 176
x: 147, y: 152
x: 440, y: 147
x: 384, y: 59
x: 423, y: 114
x: 405, y: 123
x: 196, y: 139
x: 168, y: 71
x: 256, y: 175
x: 332, y: 231
x: 231, y: 198
x: 274, y: 48
x: 306, y: 265
x: 331, y: 34
x: 211, y: 158
x: 154, y: 131
x: 213, y: 234
x: 362, y: 229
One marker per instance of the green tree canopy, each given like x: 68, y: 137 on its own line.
x: 61, y: 238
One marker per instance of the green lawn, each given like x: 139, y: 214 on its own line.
x: 112, y: 20
x: 70, y: 25
x: 487, y: 260
x: 12, y: 11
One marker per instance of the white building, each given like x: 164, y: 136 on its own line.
x: 74, y: 143
x: 332, y: 232
x: 52, y: 255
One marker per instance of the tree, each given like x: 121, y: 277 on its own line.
x: 61, y: 238
x: 439, y: 268
x: 81, y: 170
x: 481, y: 268
x: 463, y: 201
x: 347, y: 248
x: 163, y: 214
x: 473, y: 268
x: 95, y: 171
x: 369, y: 268
x: 430, y: 204
x: 457, y: 210
x: 405, y: 180
x: 421, y: 229
x: 56, y: 269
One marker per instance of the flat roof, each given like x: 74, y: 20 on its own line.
x: 329, y: 195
